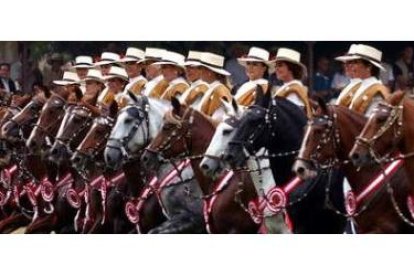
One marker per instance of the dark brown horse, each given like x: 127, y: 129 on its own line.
x: 329, y: 138
x: 187, y: 133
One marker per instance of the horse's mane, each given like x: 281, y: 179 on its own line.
x: 396, y: 98
x: 295, y: 113
x: 355, y: 116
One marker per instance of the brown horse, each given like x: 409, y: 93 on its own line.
x: 187, y: 133
x: 329, y: 138
x: 388, y: 135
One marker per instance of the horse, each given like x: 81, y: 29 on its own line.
x: 277, y: 125
x: 327, y: 143
x: 136, y: 126
x: 212, y: 164
x: 186, y: 133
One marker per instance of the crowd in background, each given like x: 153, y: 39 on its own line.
x: 327, y: 81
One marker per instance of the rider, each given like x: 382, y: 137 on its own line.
x: 291, y: 71
x: 256, y: 64
x: 346, y: 95
x: 366, y: 64
x: 69, y: 82
x: 117, y: 79
x: 94, y: 84
x: 156, y: 84
x: 82, y: 65
x: 132, y: 61
x: 172, y: 68
x: 195, y: 92
x: 213, y: 73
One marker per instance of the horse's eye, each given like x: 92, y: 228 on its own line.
x: 166, y: 127
x: 381, y: 119
x: 128, y: 121
x: 226, y: 132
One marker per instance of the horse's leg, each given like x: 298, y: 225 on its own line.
x: 276, y: 224
x: 179, y: 224
x: 13, y: 222
x: 151, y: 214
x: 42, y: 225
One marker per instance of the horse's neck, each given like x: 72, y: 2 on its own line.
x: 350, y: 126
x: 35, y: 165
x: 407, y: 144
x: 206, y: 183
x: 134, y: 175
x: 156, y: 115
x: 282, y: 169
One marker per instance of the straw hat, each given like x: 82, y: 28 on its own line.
x: 94, y: 75
x: 172, y: 58
x: 117, y: 72
x: 107, y: 58
x: 256, y: 54
x: 153, y: 54
x: 214, y: 63
x: 83, y: 62
x: 350, y: 52
x: 289, y: 55
x: 133, y: 54
x: 193, y: 58
x: 67, y: 79
x: 365, y: 52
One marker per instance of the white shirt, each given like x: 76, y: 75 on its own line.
x: 247, y: 86
x: 5, y: 84
x: 151, y: 84
x: 375, y: 100
x: 292, y: 96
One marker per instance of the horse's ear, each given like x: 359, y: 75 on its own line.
x: 262, y: 98
x: 78, y: 93
x: 235, y: 105
x: 176, y: 105
x: 113, y: 109
x: 321, y: 106
x: 227, y: 106
x: 133, y: 96
x: 396, y: 97
x: 46, y: 92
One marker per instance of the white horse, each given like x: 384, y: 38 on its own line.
x: 136, y: 125
x: 212, y: 163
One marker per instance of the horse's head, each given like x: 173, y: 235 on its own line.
x: 250, y: 132
x: 48, y: 123
x: 212, y: 163
x: 185, y: 132
x: 24, y: 119
x: 74, y: 126
x: 382, y: 133
x: 319, y: 143
x: 93, y: 144
x: 130, y: 133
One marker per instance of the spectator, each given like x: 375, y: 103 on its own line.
x: 53, y: 70
x: 321, y: 79
x: 7, y: 85
x: 387, y: 75
x: 404, y: 70
x: 340, y: 81
x: 237, y: 71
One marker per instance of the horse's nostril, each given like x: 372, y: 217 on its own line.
x: 300, y: 170
x: 205, y: 167
x: 228, y: 157
x: 145, y: 159
x: 355, y: 156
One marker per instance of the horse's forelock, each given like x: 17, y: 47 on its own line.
x: 396, y: 98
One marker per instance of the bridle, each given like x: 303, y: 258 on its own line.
x: 330, y: 135
x: 393, y: 121
x: 87, y: 120
x: 57, y: 102
x: 181, y: 132
x: 91, y: 152
x: 142, y: 116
